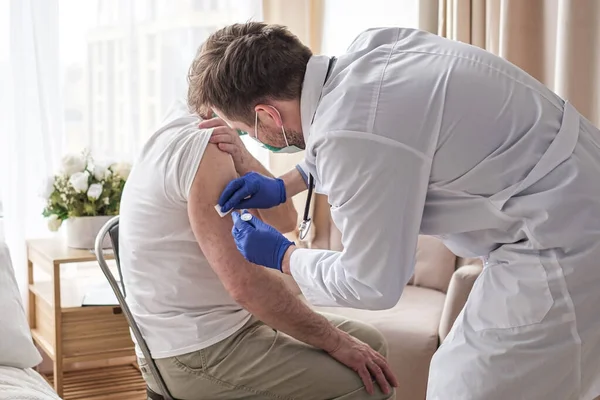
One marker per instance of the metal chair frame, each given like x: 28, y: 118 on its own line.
x: 112, y: 229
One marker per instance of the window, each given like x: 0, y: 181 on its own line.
x: 124, y: 62
x: 151, y: 84
x: 150, y: 48
x: 345, y: 19
x: 102, y: 63
x: 207, y: 5
x: 151, y: 116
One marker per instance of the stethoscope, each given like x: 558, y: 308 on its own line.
x: 306, y: 220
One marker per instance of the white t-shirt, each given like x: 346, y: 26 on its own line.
x: 177, y: 300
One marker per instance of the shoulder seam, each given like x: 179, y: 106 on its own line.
x: 378, y: 91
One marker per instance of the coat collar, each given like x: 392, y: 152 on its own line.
x: 314, y: 78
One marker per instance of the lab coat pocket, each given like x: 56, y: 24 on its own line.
x: 509, y: 295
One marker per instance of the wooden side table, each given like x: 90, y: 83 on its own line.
x: 69, y: 333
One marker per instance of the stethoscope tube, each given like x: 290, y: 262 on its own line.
x: 306, y: 220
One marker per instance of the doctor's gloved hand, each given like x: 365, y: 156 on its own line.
x: 252, y: 190
x: 258, y: 242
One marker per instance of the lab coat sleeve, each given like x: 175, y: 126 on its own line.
x: 376, y: 188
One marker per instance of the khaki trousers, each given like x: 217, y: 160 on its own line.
x: 258, y: 362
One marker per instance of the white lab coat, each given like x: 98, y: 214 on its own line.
x: 414, y: 133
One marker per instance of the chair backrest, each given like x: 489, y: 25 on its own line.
x: 111, y: 228
x: 113, y: 232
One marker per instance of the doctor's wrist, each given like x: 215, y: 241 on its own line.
x: 282, y: 190
x: 293, y: 182
x: 285, y: 262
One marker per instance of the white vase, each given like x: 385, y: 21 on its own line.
x: 82, y: 232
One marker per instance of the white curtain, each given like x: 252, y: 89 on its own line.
x: 93, y: 74
x: 32, y: 131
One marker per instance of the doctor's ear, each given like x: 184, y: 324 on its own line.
x: 268, y: 114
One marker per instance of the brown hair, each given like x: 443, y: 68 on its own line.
x: 242, y: 65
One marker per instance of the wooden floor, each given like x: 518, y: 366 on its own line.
x: 123, y: 382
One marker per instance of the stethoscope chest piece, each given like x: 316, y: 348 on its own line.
x: 304, y: 228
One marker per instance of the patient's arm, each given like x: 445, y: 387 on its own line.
x: 263, y: 294
x: 283, y: 217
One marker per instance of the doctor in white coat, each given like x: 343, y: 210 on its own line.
x: 410, y: 133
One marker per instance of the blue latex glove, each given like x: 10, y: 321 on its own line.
x: 252, y: 190
x: 258, y: 242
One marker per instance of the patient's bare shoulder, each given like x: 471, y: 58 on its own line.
x: 215, y: 171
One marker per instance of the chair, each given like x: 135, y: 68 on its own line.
x: 112, y: 229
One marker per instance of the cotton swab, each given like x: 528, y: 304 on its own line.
x: 221, y: 214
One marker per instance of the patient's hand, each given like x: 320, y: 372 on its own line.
x: 228, y: 140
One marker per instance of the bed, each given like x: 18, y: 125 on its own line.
x: 18, y: 355
x: 24, y: 384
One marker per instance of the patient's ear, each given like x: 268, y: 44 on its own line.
x: 206, y: 113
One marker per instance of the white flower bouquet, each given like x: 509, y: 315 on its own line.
x: 83, y: 188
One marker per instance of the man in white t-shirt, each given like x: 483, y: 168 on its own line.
x: 218, y: 326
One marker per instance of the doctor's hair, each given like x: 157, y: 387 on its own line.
x: 243, y: 65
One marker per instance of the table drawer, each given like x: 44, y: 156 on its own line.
x: 95, y: 330
x: 44, y: 322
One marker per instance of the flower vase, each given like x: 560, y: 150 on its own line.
x: 82, y: 232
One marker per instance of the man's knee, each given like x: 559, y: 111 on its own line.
x: 374, y: 339
x: 378, y: 343
x: 366, y: 333
x: 361, y: 394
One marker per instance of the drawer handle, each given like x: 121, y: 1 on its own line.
x: 117, y: 310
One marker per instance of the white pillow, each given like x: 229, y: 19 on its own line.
x: 16, y: 346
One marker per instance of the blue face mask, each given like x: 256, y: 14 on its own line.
x: 287, y: 149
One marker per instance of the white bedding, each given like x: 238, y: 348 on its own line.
x: 16, y: 346
x: 24, y: 384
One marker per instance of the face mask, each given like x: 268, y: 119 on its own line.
x: 287, y: 149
